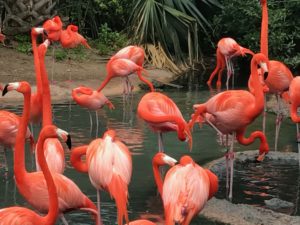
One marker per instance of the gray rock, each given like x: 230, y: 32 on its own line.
x: 276, y: 203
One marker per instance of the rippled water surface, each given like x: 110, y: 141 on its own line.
x: 144, y: 201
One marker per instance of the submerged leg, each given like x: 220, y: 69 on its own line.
x: 63, y: 219
x: 231, y: 159
x: 279, y: 118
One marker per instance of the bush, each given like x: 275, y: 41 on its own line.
x: 241, y: 20
x: 24, y: 43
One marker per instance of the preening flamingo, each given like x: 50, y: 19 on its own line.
x: 161, y: 159
x: 53, y: 28
x: 186, y: 189
x: 163, y: 115
x: 92, y: 100
x: 279, y: 77
x: 226, y: 50
x: 123, y: 68
x: 294, y: 97
x: 19, y: 215
x: 109, y: 164
x: 134, y: 53
x: 230, y: 112
x: 32, y: 185
x: 54, y: 152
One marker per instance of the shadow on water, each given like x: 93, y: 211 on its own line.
x: 142, y: 142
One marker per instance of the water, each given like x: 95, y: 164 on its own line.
x: 143, y: 201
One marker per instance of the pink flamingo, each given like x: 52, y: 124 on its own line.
x: 32, y: 185
x: 226, y: 50
x: 134, y: 53
x: 109, y: 165
x: 123, y: 68
x: 230, y: 112
x: 279, y: 77
x: 53, y: 28
x: 161, y: 159
x: 92, y: 100
x: 2, y: 38
x: 54, y: 151
x: 163, y: 115
x: 19, y: 215
x: 186, y: 189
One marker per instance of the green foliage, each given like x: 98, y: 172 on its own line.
x: 24, y: 43
x: 78, y: 54
x: 173, y: 24
x: 108, y: 41
x: 241, y: 20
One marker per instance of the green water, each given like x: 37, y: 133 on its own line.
x: 142, y: 142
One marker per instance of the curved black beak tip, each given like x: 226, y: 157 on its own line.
x: 69, y: 142
x: 266, y: 75
x: 5, y: 90
x: 45, y: 33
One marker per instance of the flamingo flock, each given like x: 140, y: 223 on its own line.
x: 186, y: 187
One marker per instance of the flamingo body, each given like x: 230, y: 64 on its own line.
x: 134, y: 53
x: 53, y: 27
x: 70, y: 38
x: 294, y: 99
x: 141, y: 222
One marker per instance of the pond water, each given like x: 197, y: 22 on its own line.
x: 142, y: 142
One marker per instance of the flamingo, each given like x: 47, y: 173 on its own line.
x: 123, y: 68
x: 186, y: 189
x: 109, y: 165
x: 226, y: 50
x: 2, y: 38
x: 141, y: 222
x: 32, y: 185
x: 294, y: 97
x: 92, y: 100
x: 19, y: 215
x: 54, y: 151
x: 163, y: 115
x: 134, y: 53
x: 53, y: 28
x: 230, y: 112
x: 279, y: 77
x: 160, y: 159
x: 9, y: 125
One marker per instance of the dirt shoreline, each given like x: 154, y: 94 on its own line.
x: 16, y: 66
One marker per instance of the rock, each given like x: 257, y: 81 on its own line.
x: 276, y: 203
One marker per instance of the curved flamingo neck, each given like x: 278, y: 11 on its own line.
x: 76, y: 160
x: 53, y: 198
x: 104, y: 83
x: 157, y: 177
x: 19, y: 155
x: 47, y: 109
x: 139, y: 73
x: 264, y: 30
x: 294, y: 114
x: 36, y: 65
x: 257, y: 88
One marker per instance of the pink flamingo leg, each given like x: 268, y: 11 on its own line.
x: 63, y: 219
x: 231, y: 160
x: 99, y: 207
x: 264, y: 113
x: 160, y: 142
x: 298, y: 141
x: 279, y: 118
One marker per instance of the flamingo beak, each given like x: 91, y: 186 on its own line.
x: 5, y: 90
x: 261, y: 157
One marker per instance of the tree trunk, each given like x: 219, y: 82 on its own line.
x: 21, y: 15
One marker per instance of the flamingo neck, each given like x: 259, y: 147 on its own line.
x: 264, y: 30
x: 157, y: 177
x: 76, y: 160
x: 19, y: 156
x: 53, y: 198
x: 47, y: 109
x: 257, y: 89
x: 139, y: 73
x: 36, y: 65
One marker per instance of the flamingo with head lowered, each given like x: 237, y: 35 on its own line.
x: 163, y: 115
x: 53, y: 28
x: 230, y: 112
x: 19, y: 215
x: 32, y: 185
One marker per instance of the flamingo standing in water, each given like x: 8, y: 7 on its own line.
x: 92, y: 100
x: 19, y: 215
x: 32, y: 185
x: 109, y: 165
x: 226, y: 50
x: 230, y: 112
x: 163, y: 115
x: 123, y: 68
x: 54, y: 152
x: 279, y: 77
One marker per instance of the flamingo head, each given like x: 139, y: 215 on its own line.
x: 185, y: 160
x: 35, y: 31
x: 65, y: 136
x: 262, y: 80
x: 184, y: 134
x: 22, y: 87
x: 42, y: 49
x: 110, y: 134
x: 83, y: 90
x: 162, y: 159
x: 214, y: 183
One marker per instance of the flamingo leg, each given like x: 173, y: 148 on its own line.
x: 279, y: 118
x: 231, y: 159
x: 228, y: 67
x: 298, y: 141
x: 52, y: 66
x: 160, y: 142
x: 97, y: 123
x: 264, y: 113
x: 63, y: 219
x: 232, y: 73
x: 31, y: 129
x: 91, y: 123
x: 5, y: 162
x: 99, y: 208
